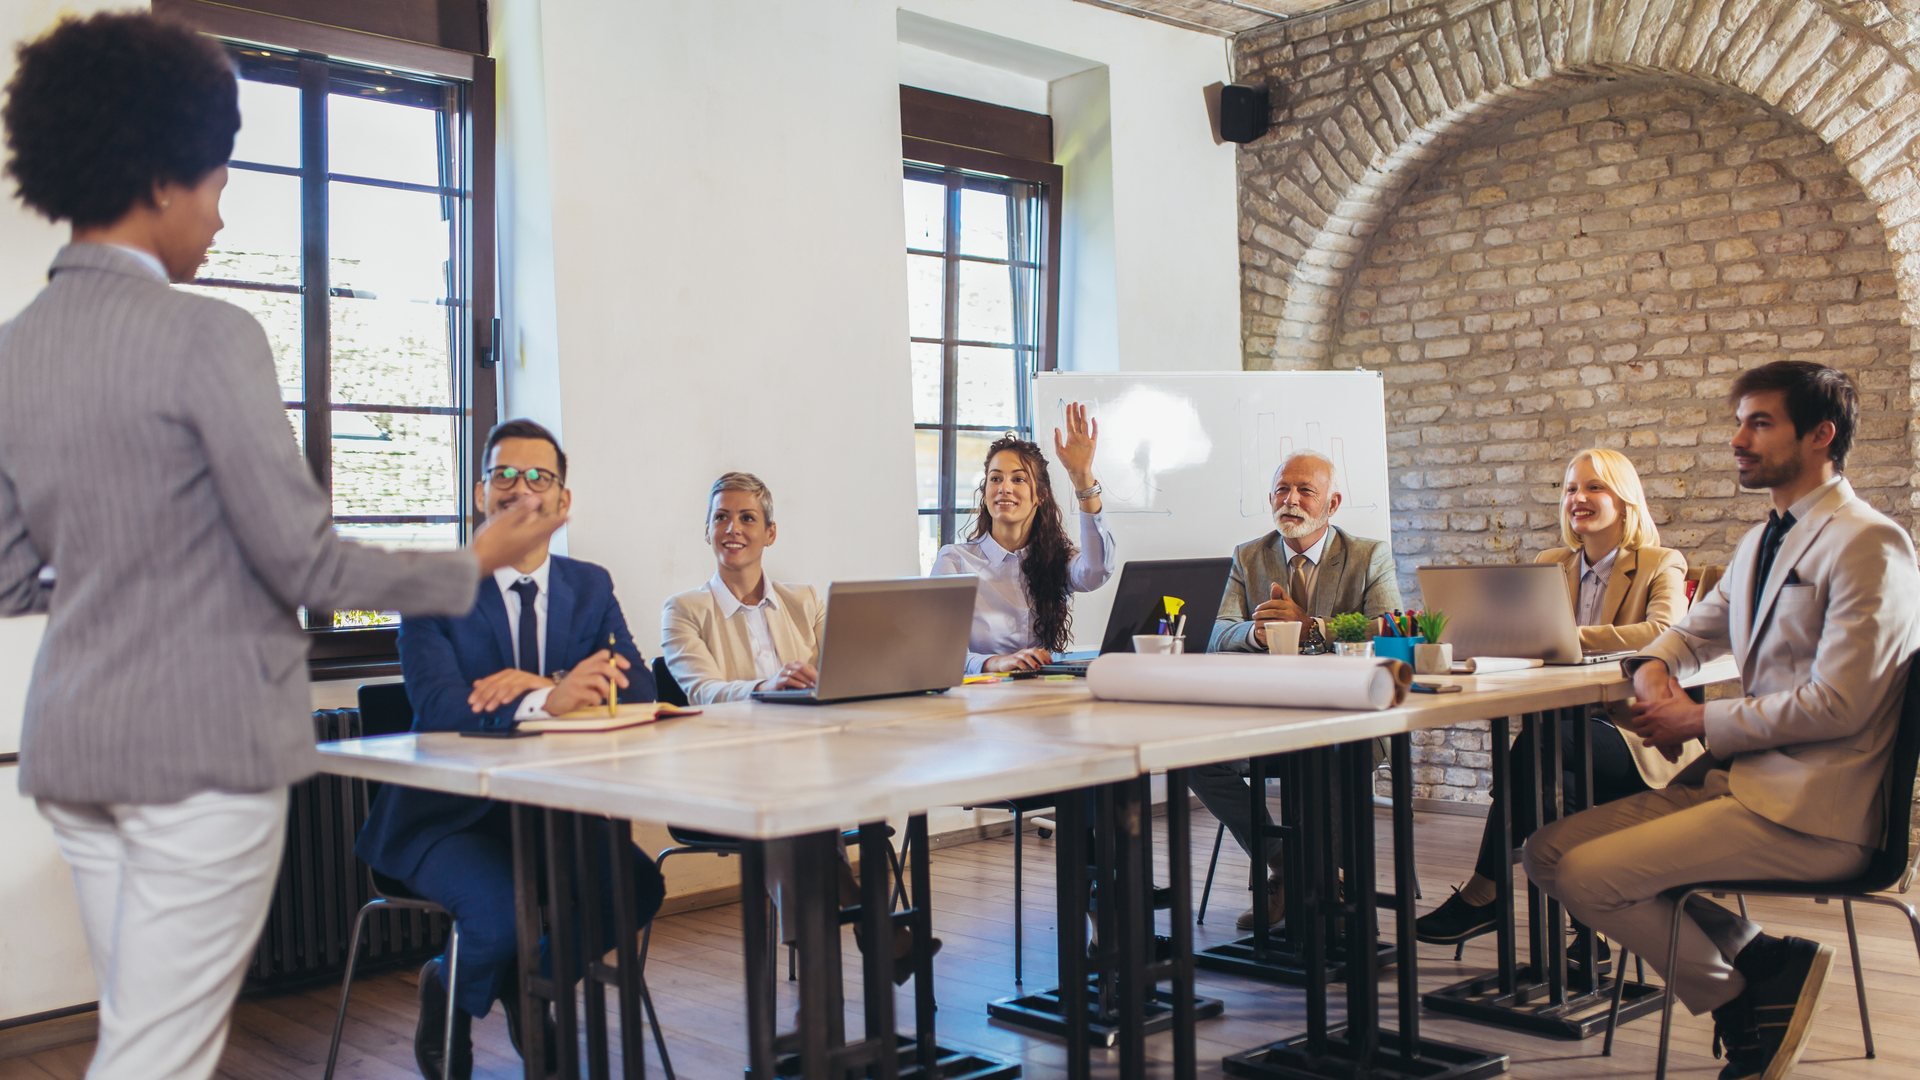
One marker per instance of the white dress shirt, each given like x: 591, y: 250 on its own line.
x: 1593, y: 587
x: 1002, y: 615
x: 534, y: 705
x: 766, y: 661
x: 148, y: 258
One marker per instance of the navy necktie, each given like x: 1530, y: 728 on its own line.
x: 529, y: 639
x: 1777, y: 526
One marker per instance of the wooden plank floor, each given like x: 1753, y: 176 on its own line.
x: 694, y: 974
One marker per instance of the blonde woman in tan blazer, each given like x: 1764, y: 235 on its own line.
x: 1625, y: 590
x: 741, y: 631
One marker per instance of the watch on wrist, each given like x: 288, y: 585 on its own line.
x: 1088, y: 492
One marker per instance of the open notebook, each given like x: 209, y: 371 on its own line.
x: 595, y: 718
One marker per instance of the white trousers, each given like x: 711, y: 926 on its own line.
x: 172, y: 898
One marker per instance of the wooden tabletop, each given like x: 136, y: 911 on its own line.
x: 764, y: 771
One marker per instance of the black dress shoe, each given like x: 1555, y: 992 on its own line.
x: 1455, y: 921
x: 1782, y: 999
x: 430, y: 1030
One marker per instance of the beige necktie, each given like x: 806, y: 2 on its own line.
x: 1297, y: 587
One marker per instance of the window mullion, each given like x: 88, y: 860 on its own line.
x: 950, y: 366
x: 315, y: 318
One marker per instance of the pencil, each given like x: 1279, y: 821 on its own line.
x: 613, y: 672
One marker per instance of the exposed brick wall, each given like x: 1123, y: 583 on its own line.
x: 1752, y: 191
x: 1594, y: 272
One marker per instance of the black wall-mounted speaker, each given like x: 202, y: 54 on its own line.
x: 1243, y: 113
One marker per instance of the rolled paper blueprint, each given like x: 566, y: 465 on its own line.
x: 1489, y: 665
x: 1306, y: 682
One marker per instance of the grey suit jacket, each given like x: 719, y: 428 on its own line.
x: 1823, y: 665
x: 1355, y: 575
x: 145, y: 456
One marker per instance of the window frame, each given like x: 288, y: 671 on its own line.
x: 953, y: 161
x: 368, y: 652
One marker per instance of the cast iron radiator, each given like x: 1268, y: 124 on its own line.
x: 322, y: 887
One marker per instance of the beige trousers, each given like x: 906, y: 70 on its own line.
x: 1612, y: 865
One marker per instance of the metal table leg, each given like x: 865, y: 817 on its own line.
x: 1342, y: 778
x: 1538, y: 997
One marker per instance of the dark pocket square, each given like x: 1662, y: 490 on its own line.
x: 1793, y: 578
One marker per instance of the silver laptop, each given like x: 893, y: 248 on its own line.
x: 1519, y: 611
x: 890, y: 638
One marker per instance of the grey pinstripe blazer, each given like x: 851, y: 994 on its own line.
x: 144, y: 453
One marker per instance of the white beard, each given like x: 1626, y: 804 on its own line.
x: 1298, y: 530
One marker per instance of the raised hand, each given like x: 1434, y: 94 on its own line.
x: 1075, y: 452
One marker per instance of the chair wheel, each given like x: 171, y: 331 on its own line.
x: 1044, y: 834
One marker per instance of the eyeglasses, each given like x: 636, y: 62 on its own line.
x: 503, y: 476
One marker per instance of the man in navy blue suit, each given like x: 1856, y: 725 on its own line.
x: 534, y: 645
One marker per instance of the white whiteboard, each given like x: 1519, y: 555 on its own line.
x: 1185, y: 460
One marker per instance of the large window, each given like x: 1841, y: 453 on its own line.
x: 982, y: 242
x: 348, y: 225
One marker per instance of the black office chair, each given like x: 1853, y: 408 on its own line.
x: 385, y: 710
x: 665, y: 688
x: 1019, y: 808
x: 1890, y: 869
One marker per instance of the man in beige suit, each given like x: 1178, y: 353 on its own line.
x: 1819, y: 611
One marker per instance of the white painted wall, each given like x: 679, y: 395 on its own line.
x: 727, y: 251
x: 43, y: 957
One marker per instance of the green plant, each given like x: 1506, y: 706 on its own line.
x: 1432, y: 625
x: 1351, y: 626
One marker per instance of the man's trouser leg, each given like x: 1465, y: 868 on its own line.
x: 1612, y: 864
x: 172, y: 898
x: 1222, y: 789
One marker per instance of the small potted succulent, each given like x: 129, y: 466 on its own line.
x: 1349, y: 634
x: 1432, y: 658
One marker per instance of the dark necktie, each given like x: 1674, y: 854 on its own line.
x: 529, y: 639
x: 1777, y: 526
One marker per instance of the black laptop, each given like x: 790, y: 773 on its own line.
x: 1139, y: 602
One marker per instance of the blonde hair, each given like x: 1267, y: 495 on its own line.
x: 1620, y: 477
x: 741, y: 481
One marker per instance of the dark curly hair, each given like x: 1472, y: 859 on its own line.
x: 1044, y: 561
x: 102, y: 109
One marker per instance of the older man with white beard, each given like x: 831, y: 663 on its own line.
x: 1306, y: 568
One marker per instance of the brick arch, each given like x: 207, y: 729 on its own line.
x: 1376, y: 96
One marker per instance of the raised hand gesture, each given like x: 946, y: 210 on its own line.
x: 1075, y: 452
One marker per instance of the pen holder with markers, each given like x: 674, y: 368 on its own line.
x: 1399, y: 648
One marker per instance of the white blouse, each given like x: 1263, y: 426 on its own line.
x: 1002, y: 615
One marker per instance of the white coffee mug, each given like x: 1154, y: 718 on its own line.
x: 1154, y: 644
x: 1283, y: 638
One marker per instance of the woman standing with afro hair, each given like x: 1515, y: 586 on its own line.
x: 154, y: 504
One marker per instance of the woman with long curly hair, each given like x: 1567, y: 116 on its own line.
x: 1028, y: 569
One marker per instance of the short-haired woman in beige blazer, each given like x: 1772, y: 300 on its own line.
x: 741, y: 631
x: 1625, y: 590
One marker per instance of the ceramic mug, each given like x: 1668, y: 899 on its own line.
x: 1433, y: 659
x: 1283, y: 638
x: 1155, y: 644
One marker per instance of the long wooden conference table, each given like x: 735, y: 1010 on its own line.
x: 802, y: 774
